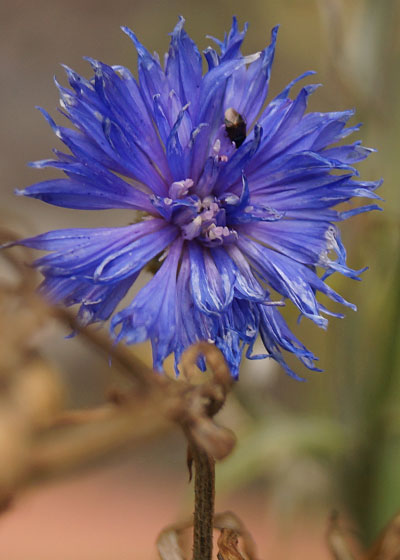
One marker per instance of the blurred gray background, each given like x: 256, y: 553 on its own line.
x: 304, y: 448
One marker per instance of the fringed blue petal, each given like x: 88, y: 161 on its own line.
x: 191, y: 324
x: 213, y: 86
x: 247, y: 286
x: 238, y: 161
x: 151, y: 76
x: 247, y: 89
x: 133, y: 256
x: 184, y: 67
x: 230, y: 46
x: 151, y: 314
x: 307, y: 242
x: 103, y: 255
x: 212, y: 279
x: 84, y: 195
x: 275, y: 334
x: 257, y: 81
x: 293, y: 280
x: 97, y: 303
x: 241, y: 206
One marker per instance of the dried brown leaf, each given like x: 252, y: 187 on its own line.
x: 218, y: 387
x: 215, y: 440
x: 227, y: 545
x: 229, y: 520
x: 337, y: 543
x: 387, y: 546
x: 168, y: 546
x: 168, y: 541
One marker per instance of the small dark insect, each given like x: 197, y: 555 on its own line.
x: 235, y: 126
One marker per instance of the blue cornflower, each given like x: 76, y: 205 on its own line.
x: 235, y: 200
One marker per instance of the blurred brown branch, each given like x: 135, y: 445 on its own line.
x: 41, y: 440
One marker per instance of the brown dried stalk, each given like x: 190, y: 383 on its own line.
x: 204, y: 498
x: 204, y: 462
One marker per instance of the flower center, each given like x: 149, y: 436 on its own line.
x: 209, y: 225
x: 203, y: 219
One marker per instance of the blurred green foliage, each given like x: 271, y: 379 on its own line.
x: 341, y: 429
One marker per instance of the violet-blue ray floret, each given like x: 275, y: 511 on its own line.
x: 235, y: 197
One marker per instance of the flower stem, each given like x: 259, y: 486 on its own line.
x: 204, y: 494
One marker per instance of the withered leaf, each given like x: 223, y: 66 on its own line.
x: 387, y: 546
x: 227, y: 544
x: 337, y: 543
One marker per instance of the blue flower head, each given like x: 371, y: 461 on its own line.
x: 233, y: 198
